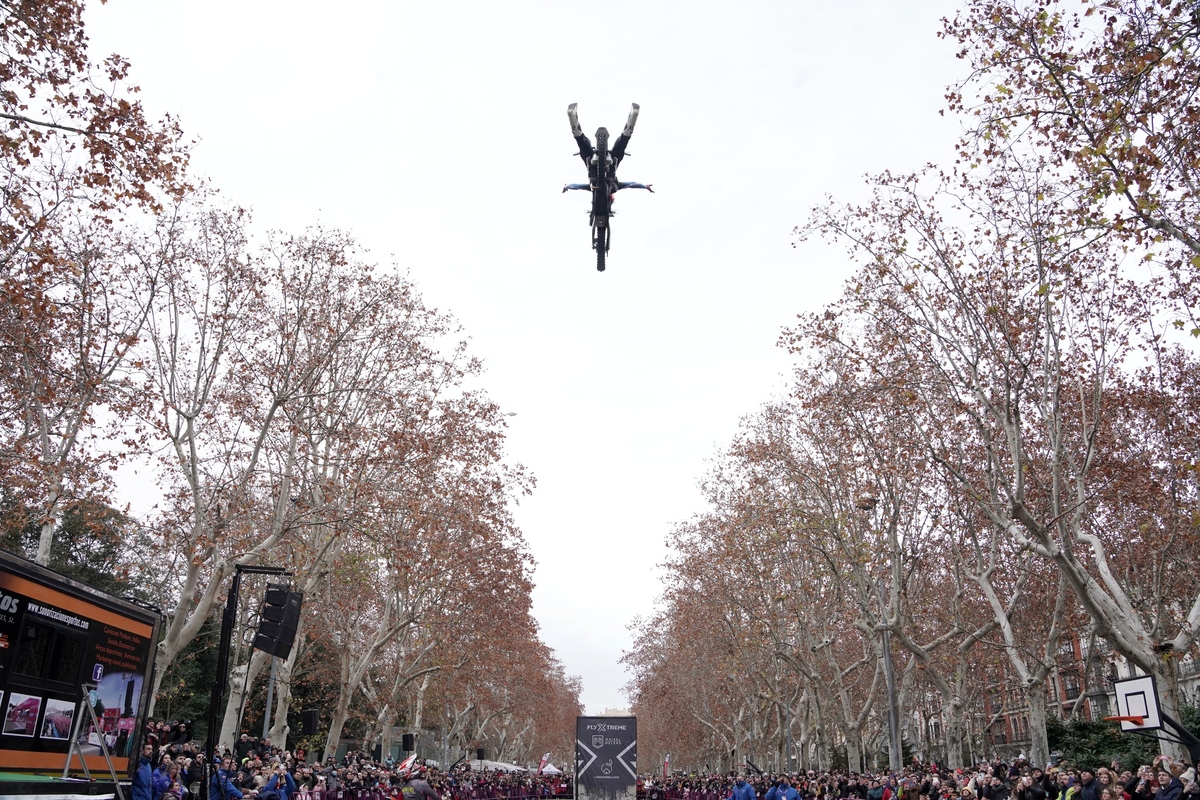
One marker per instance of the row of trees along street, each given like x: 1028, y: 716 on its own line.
x: 989, y: 448
x: 283, y: 399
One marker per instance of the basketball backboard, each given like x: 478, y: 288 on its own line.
x: 1138, y: 697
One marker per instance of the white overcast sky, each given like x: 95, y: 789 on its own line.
x: 436, y: 132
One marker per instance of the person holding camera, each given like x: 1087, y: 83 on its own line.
x: 1141, y: 786
x: 281, y: 781
x: 994, y: 788
x: 1029, y: 789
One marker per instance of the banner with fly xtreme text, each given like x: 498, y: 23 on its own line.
x: 606, y: 758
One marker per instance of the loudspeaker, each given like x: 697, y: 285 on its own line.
x: 310, y: 718
x: 279, y: 620
x: 410, y: 743
x: 480, y: 753
x: 377, y: 753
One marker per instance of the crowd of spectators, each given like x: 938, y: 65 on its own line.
x: 1164, y: 779
x: 172, y: 767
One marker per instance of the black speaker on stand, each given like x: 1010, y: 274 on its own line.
x: 310, y: 720
x: 409, y: 743
x: 279, y: 620
x: 480, y: 753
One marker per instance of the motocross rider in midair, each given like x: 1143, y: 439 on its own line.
x: 615, y: 153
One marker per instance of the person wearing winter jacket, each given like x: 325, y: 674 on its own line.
x: 1029, y: 789
x: 741, y: 790
x: 996, y: 789
x: 1141, y: 786
x: 1089, y: 787
x: 782, y: 791
x: 143, y: 779
x: 163, y: 776
x: 222, y: 787
x: 282, y: 782
x: 1169, y: 787
x: 1191, y: 783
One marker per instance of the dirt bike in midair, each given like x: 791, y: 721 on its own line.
x: 602, y: 162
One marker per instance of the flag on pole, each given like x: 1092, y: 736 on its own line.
x: 545, y: 761
x: 667, y: 766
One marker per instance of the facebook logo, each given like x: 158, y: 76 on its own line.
x: 97, y: 673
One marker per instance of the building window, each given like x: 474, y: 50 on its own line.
x: 1070, y: 685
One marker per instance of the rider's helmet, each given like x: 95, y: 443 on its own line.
x: 409, y: 768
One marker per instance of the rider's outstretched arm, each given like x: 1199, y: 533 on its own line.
x: 633, y: 185
x: 577, y: 186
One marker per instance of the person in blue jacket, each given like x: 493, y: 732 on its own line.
x: 742, y: 790
x: 161, y: 780
x: 782, y: 791
x: 221, y: 787
x: 281, y: 782
x: 143, y: 779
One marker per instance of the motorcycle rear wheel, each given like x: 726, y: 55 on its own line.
x: 600, y: 242
x: 600, y: 200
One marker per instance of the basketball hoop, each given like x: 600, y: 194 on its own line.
x: 1136, y: 719
x: 1139, y: 712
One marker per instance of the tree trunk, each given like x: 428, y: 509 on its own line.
x: 853, y: 749
x: 159, y: 672
x: 386, y: 728
x: 824, y: 750
x: 46, y: 535
x: 812, y: 752
x: 1167, y: 680
x: 801, y: 745
x: 782, y: 747
x: 238, y: 684
x: 283, y: 693
x: 953, y: 711
x: 1039, y: 747
x: 334, y: 736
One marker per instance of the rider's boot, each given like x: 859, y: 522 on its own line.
x: 629, y: 123
x: 576, y: 131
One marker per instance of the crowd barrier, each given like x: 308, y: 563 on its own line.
x: 511, y: 793
x: 678, y: 793
x: 484, y: 793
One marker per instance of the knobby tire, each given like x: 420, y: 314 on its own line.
x: 600, y: 205
x: 600, y: 241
